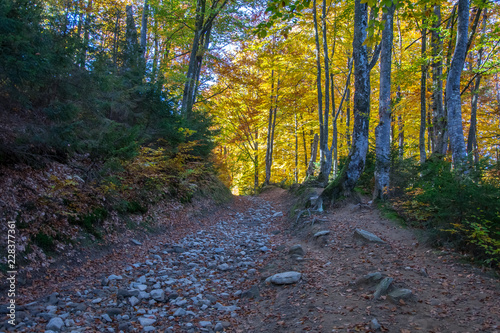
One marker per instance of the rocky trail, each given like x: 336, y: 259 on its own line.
x: 248, y: 270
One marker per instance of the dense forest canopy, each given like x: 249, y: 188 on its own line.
x: 386, y: 94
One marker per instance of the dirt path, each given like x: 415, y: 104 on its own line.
x: 210, y: 277
x: 447, y: 296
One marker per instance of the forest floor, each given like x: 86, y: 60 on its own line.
x: 209, y: 275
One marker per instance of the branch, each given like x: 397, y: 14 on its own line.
x: 217, y: 93
x: 474, y: 27
x: 376, y: 54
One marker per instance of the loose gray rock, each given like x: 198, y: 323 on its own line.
x: 296, y: 250
x: 219, y: 327
x: 370, y: 278
x: 158, y: 295
x: 400, y: 294
x: 145, y: 321
x: 122, y: 293
x: 374, y: 325
x: 106, y: 318
x: 322, y: 233
x: 135, y: 241
x: 179, y: 312
x: 223, y: 267
x: 367, y: 236
x: 382, y: 287
x: 113, y: 311
x: 285, y: 278
x: 253, y: 292
x: 205, y: 323
x: 133, y: 301
x: 55, y: 324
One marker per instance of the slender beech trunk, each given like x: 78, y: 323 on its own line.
x: 132, y: 51
x: 453, y: 99
x: 296, y: 169
x: 472, y: 137
x: 304, y: 142
x: 345, y: 182
x: 79, y: 59
x: 115, y: 41
x: 383, y: 130
x: 423, y: 89
x: 439, y: 142
x: 204, y: 19
x: 314, y: 156
x: 348, y: 118
x: 270, y: 129
x: 318, y: 85
x: 326, y: 162
x: 256, y: 161
x: 335, y: 135
x: 187, y: 102
x: 86, y: 33
x: 144, y: 33
x: 205, y: 42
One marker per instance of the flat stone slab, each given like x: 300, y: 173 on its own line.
x: 322, y: 233
x: 370, y: 278
x: 285, y: 278
x: 367, y: 236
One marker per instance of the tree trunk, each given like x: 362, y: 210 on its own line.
x: 304, y: 142
x: 270, y: 129
x: 296, y: 169
x: 423, y: 88
x: 439, y: 142
x: 115, y: 41
x: 318, y: 85
x: 453, y: 99
x: 345, y: 182
x: 256, y: 161
x: 144, y: 33
x: 472, y: 137
x: 314, y: 155
x: 326, y: 163
x: 383, y: 130
x: 203, y: 27
x: 189, y: 86
x: 348, y: 118
x: 401, y: 129
x: 132, y: 49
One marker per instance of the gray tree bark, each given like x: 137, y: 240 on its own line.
x: 314, y: 156
x: 326, y: 162
x: 132, y: 50
x: 270, y: 128
x: 439, y: 141
x: 423, y: 89
x: 355, y: 163
x: 144, y: 34
x: 472, y: 137
x: 318, y: 85
x: 383, y: 130
x: 204, y: 19
x: 453, y: 99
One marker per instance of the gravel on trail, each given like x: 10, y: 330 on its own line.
x: 192, y: 285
